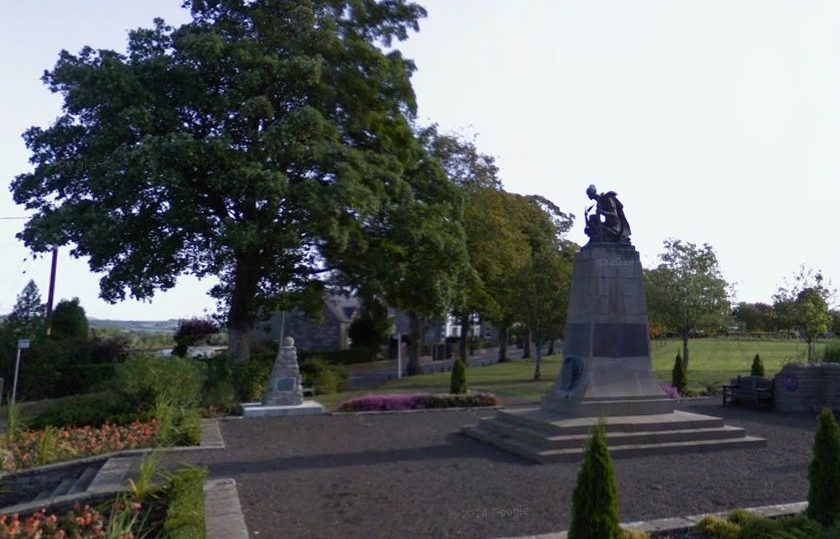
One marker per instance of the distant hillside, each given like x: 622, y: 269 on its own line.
x: 151, y: 326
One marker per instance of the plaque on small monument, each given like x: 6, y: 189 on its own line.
x: 285, y: 384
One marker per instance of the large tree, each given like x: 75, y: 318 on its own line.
x: 245, y: 144
x: 802, y: 304
x: 686, y: 291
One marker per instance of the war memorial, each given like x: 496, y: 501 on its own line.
x: 606, y: 372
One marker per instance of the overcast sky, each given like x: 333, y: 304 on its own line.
x: 715, y: 122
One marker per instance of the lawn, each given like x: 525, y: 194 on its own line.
x: 712, y: 362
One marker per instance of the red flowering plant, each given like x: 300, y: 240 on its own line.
x: 80, y: 523
x: 34, y: 448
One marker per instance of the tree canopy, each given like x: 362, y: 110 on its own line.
x: 27, y: 315
x: 251, y: 143
x: 69, y: 320
x: 802, y: 304
x: 686, y: 291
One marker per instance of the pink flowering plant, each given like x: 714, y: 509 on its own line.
x: 400, y: 401
x: 669, y: 390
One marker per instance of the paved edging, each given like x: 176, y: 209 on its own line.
x: 223, y: 518
x: 674, y: 524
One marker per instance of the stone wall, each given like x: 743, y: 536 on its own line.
x: 807, y: 388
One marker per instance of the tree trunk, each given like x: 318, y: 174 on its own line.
x: 463, y: 341
x: 413, y: 344
x: 241, y: 315
x: 526, y: 346
x: 685, y: 350
x: 810, y: 349
x: 550, y: 351
x: 503, y: 344
x: 537, y: 373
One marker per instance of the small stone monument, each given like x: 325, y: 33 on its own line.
x: 284, y: 384
x: 284, y: 394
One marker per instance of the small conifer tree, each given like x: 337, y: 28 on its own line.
x: 757, y: 366
x: 679, y: 378
x: 595, y: 498
x: 824, y: 471
x: 458, y: 381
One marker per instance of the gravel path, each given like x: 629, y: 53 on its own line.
x: 415, y: 475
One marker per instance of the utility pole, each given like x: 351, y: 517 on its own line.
x: 51, y: 296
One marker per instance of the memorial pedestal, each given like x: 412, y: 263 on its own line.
x: 606, y: 374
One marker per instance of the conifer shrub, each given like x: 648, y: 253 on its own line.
x: 824, y: 471
x: 757, y: 366
x: 595, y: 498
x: 679, y: 377
x: 458, y: 380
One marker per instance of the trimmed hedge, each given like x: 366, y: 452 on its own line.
x: 398, y: 401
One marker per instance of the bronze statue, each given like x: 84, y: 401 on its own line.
x: 608, y: 223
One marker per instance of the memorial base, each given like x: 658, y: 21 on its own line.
x: 256, y: 409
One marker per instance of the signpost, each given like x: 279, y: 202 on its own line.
x: 21, y: 345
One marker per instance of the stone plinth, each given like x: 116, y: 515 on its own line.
x: 256, y: 409
x: 606, y: 367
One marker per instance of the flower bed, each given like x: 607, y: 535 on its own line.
x: 400, y: 401
x: 174, y: 510
x: 34, y: 448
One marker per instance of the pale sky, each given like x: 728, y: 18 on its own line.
x: 716, y: 122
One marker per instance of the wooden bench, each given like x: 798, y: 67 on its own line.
x: 754, y: 391
x: 309, y: 391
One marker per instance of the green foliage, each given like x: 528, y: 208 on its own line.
x: 635, y: 534
x: 686, y: 291
x: 679, y: 376
x: 718, y: 527
x: 372, y: 329
x: 799, y: 527
x: 144, y: 484
x: 14, y: 421
x: 325, y: 378
x: 757, y: 368
x: 802, y: 304
x: 249, y: 378
x: 185, y: 513
x: 68, y: 321
x: 91, y: 409
x: 741, y: 516
x: 824, y: 471
x: 458, y: 380
x: 146, y: 379
x: 831, y: 352
x: 543, y: 287
x: 281, y: 120
x: 27, y: 316
x: 595, y: 498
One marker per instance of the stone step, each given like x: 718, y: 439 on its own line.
x: 540, y: 438
x: 62, y: 488
x: 83, y: 481
x: 554, y: 424
x: 540, y: 454
x: 114, y: 474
